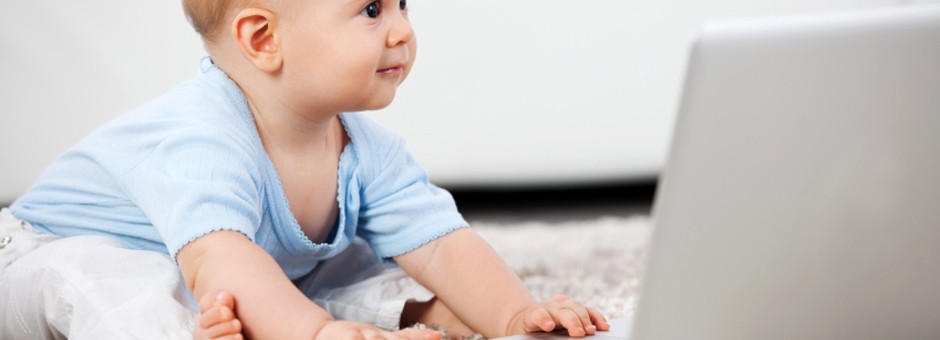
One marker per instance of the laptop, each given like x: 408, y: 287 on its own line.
x: 801, y: 199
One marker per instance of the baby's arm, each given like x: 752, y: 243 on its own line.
x: 228, y: 261
x: 468, y: 275
x: 268, y: 306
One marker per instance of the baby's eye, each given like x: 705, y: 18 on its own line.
x: 403, y: 4
x: 372, y: 10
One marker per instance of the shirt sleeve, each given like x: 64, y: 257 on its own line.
x: 401, y: 210
x: 194, y: 182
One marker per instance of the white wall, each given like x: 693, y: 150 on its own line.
x: 520, y: 92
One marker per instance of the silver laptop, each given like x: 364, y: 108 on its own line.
x: 801, y: 199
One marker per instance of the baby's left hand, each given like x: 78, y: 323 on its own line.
x: 559, y: 311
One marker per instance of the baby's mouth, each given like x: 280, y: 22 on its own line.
x: 390, y: 70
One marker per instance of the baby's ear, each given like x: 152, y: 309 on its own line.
x: 255, y: 33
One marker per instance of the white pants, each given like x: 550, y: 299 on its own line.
x: 92, y: 287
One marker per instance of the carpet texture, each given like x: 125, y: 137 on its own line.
x: 599, y: 262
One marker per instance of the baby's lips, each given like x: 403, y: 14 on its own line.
x: 393, y: 69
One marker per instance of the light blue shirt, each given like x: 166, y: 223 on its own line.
x: 191, y: 162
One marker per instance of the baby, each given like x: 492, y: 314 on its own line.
x: 287, y: 216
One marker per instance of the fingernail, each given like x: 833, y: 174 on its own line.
x: 218, y: 298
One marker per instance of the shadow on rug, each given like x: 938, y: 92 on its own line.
x: 598, y: 262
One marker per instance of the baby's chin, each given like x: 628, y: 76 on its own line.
x: 377, y: 103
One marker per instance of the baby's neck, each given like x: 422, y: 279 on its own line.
x: 299, y: 136
x: 284, y: 129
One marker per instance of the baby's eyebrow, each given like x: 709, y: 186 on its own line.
x: 357, y: 3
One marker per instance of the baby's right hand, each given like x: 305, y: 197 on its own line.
x: 355, y: 330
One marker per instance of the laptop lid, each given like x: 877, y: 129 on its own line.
x: 801, y: 199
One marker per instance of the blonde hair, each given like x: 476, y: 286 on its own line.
x: 208, y: 16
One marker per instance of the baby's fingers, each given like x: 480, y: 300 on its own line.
x: 231, y: 328
x: 583, y: 315
x: 538, y: 318
x: 231, y: 337
x: 599, y: 320
x: 419, y: 334
x: 215, y: 315
x: 571, y: 315
x: 570, y: 320
x: 211, y: 300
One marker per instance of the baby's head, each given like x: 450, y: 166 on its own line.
x: 312, y: 55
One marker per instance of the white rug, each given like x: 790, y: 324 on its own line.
x: 598, y: 262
